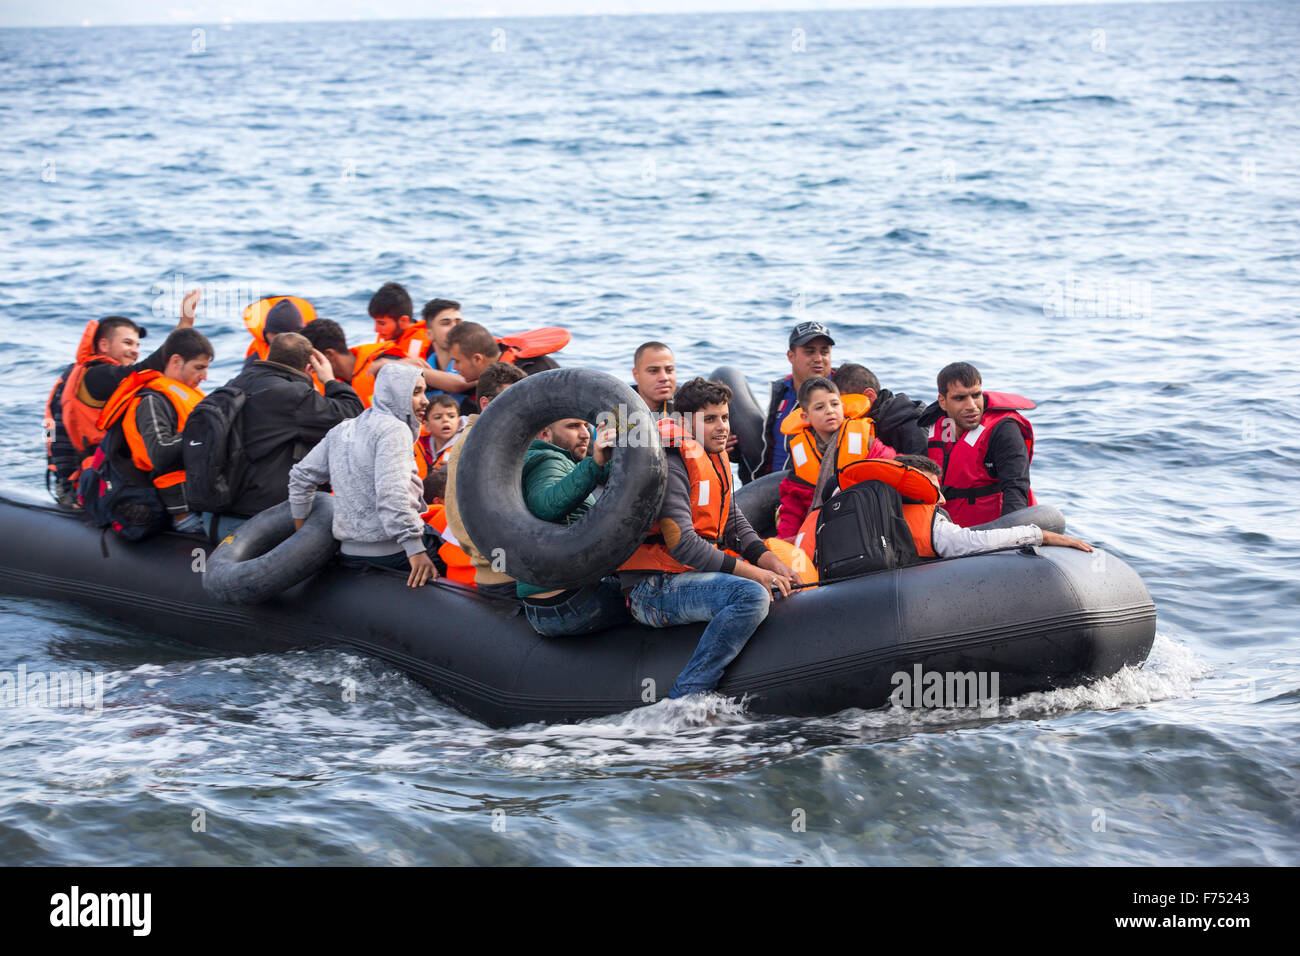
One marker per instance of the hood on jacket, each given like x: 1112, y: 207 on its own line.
x: 394, y: 383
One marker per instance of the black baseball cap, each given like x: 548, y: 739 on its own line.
x: 805, y: 332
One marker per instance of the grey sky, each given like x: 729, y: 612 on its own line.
x: 22, y: 13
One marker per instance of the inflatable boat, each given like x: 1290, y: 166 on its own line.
x: 1037, y: 618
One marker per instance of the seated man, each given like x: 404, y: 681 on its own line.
x: 810, y: 357
x: 983, y: 446
x: 378, y: 495
x: 440, y: 317
x: 70, y: 413
x: 494, y: 380
x: 101, y: 380
x: 894, y: 414
x: 284, y: 316
x: 827, y: 434
x: 654, y: 374
x: 681, y: 573
x: 142, y: 422
x: 558, y: 480
x: 282, y: 419
x: 473, y: 349
x: 357, y: 366
x: 948, y: 540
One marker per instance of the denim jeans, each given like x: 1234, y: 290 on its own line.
x: 733, y: 607
x: 594, y: 608
x: 226, y: 524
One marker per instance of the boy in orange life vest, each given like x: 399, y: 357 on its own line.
x: 143, y: 438
x: 949, y: 540
x: 681, y: 574
x: 827, y: 432
x: 391, y: 308
x: 982, y: 445
x: 443, y: 422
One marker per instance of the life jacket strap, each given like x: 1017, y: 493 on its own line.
x: 970, y: 494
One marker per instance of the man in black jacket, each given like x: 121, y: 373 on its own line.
x: 283, y: 418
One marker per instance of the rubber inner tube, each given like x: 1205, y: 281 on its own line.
x: 1046, y: 517
x: 265, y: 556
x: 746, y: 421
x: 489, y: 490
x: 758, y: 502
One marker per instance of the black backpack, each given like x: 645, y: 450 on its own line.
x: 109, y: 500
x: 213, y: 451
x: 861, y: 530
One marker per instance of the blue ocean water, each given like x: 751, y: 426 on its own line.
x: 1097, y: 205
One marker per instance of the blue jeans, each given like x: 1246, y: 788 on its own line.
x: 396, y: 561
x: 226, y: 524
x: 733, y: 607
x: 594, y: 608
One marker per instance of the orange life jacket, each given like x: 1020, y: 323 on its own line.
x: 532, y: 343
x: 363, y: 381
x: 710, y: 491
x: 459, y: 566
x: 80, y: 410
x: 795, y: 559
x: 852, y: 441
x: 122, y: 404
x: 413, y: 343
x: 920, y: 496
x: 255, y: 320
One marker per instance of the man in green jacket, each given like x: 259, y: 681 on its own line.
x: 558, y: 481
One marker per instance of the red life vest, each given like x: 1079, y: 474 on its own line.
x: 974, y: 496
x: 710, y: 491
x: 532, y: 343
x: 120, y: 410
x: 852, y: 442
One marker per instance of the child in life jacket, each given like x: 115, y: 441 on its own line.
x: 443, y: 424
x: 824, y: 424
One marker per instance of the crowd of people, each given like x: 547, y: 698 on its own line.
x: 382, y: 424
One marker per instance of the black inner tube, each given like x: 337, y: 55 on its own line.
x: 265, y: 556
x: 746, y: 421
x: 489, y: 492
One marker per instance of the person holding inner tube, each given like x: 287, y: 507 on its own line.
x: 827, y: 433
x: 378, y: 495
x: 893, y: 415
x: 494, y: 380
x: 702, y: 562
x: 936, y: 535
x: 558, y: 481
x: 142, y: 422
x: 810, y: 357
x: 982, y: 444
x: 654, y: 376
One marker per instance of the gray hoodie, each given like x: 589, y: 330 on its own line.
x: 369, y: 461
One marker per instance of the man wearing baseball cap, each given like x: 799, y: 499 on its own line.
x: 810, y: 357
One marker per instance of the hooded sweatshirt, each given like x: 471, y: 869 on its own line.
x: 369, y: 462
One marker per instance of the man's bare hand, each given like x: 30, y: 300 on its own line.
x: 1064, y: 541
x: 189, y: 308
x: 321, y: 366
x: 769, y: 579
x: 732, y: 442
x: 422, y: 570
x: 604, y: 446
x: 770, y: 562
x: 298, y: 523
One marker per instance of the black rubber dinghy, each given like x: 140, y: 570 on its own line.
x: 1041, y: 619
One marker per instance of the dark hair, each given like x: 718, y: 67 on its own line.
x: 921, y: 463
x: 291, y: 349
x: 812, y: 385
x: 698, y: 393
x: 434, y: 306
x: 963, y: 373
x: 853, y: 379
x: 472, y: 339
x: 111, y: 323
x: 442, y: 399
x: 325, y: 334
x: 648, y: 347
x: 189, y: 344
x: 495, y: 378
x: 391, y: 300
x: 435, y: 483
